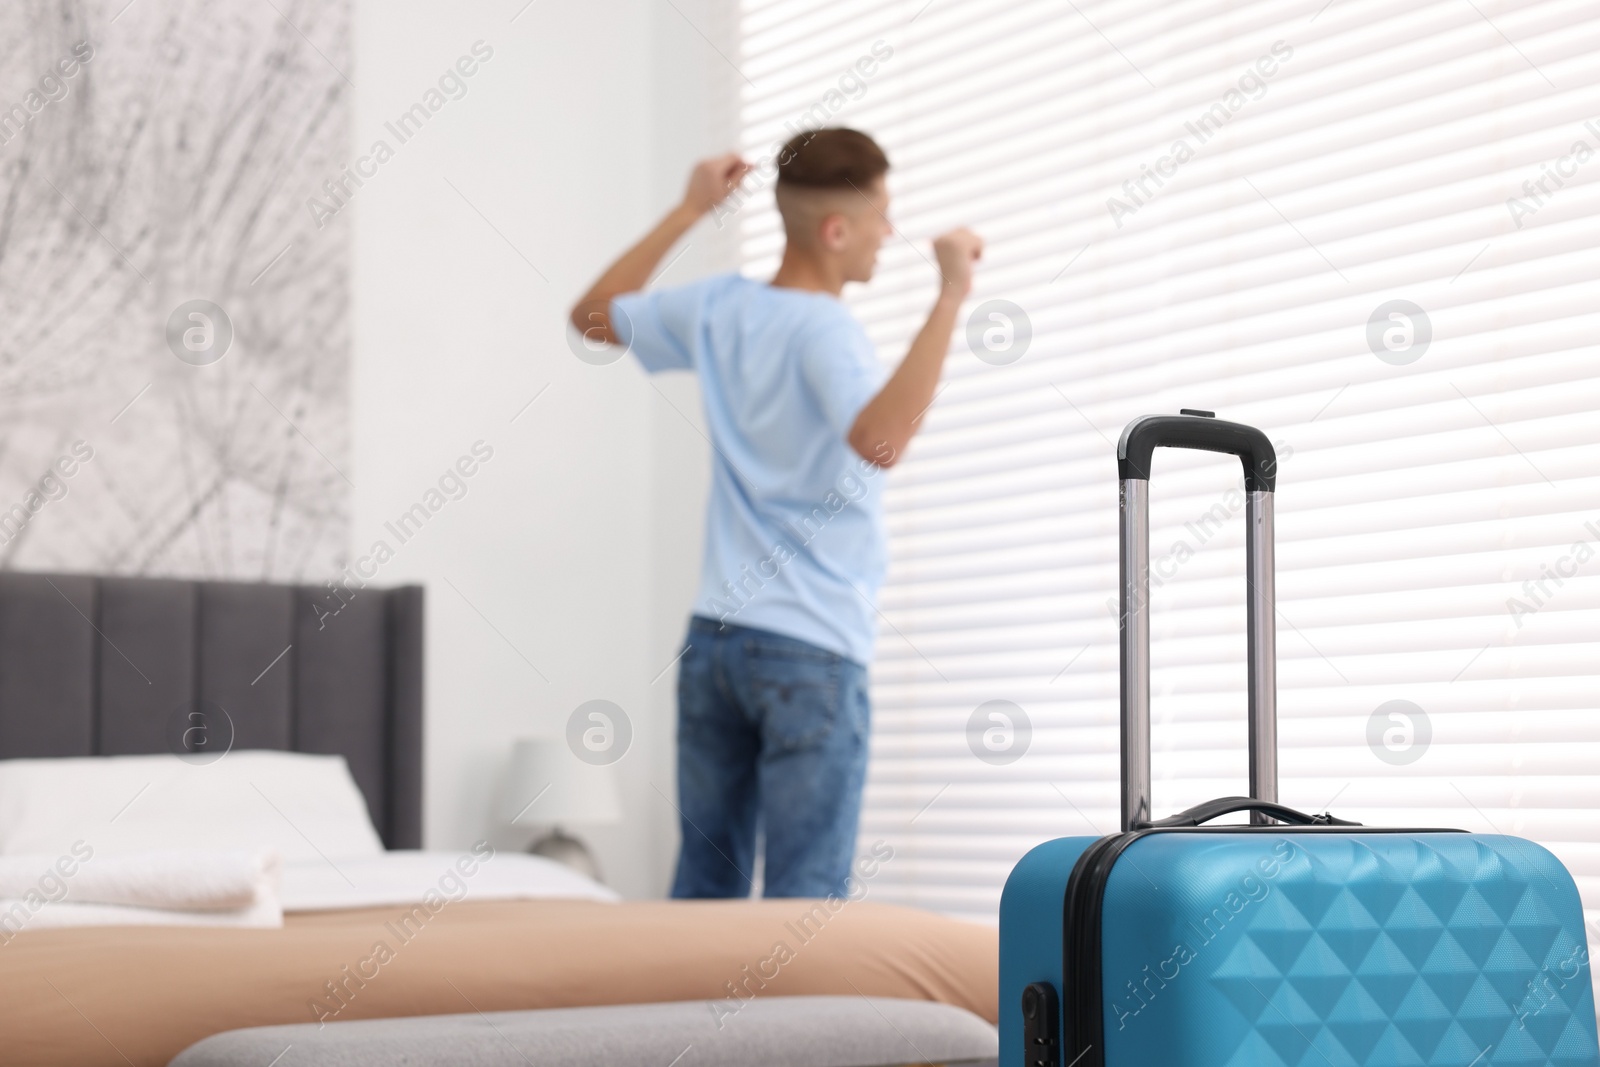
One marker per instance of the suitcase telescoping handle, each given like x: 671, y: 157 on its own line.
x: 1197, y: 430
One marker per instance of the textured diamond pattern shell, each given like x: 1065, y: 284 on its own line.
x: 1356, y: 949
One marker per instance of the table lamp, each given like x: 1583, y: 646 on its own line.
x: 549, y: 786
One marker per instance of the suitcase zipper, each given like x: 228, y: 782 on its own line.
x: 1082, y: 1003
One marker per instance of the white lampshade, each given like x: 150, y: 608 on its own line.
x: 548, y: 785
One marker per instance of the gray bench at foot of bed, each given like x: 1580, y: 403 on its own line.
x: 769, y: 1032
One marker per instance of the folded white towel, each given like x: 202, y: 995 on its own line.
x: 186, y: 881
x: 19, y: 915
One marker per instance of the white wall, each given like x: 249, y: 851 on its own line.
x: 574, y: 548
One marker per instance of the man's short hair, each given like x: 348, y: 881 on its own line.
x: 831, y: 158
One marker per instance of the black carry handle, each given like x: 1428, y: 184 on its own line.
x: 1211, y: 809
x: 1206, y: 433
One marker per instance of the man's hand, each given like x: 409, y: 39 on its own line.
x: 710, y: 183
x: 713, y: 180
x: 957, y: 252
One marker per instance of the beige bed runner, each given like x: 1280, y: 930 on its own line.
x: 115, y: 996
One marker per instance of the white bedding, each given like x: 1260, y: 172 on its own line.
x: 153, y: 839
x: 405, y: 877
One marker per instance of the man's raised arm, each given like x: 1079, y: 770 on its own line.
x: 889, y: 421
x: 711, y: 181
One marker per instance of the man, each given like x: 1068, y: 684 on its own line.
x: 772, y: 686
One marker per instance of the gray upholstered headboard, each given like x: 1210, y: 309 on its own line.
x: 105, y: 666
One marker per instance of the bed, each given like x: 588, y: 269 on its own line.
x: 117, y: 667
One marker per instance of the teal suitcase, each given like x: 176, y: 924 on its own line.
x: 1292, y: 941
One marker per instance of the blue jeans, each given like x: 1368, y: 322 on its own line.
x: 771, y: 731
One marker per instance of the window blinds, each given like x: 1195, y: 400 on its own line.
x: 1369, y: 229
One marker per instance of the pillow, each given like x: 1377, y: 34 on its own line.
x: 304, y: 807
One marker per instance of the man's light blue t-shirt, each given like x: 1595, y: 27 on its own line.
x: 794, y: 527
